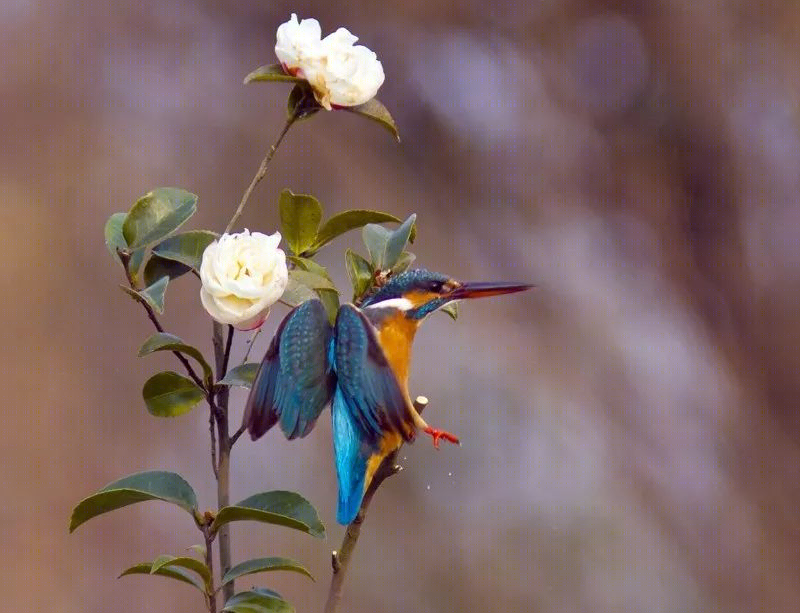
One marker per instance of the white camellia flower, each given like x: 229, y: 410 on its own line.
x: 242, y: 276
x: 298, y: 47
x: 340, y: 72
x: 352, y: 72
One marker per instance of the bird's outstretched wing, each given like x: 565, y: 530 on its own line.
x: 371, y: 413
x: 295, y: 380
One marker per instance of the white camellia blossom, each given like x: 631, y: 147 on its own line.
x: 298, y: 47
x: 340, y: 72
x: 242, y: 276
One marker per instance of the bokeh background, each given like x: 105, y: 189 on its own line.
x: 630, y: 428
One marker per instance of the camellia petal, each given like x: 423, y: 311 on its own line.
x: 242, y: 276
x: 340, y: 72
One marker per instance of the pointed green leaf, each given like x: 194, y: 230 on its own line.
x: 113, y: 234
x: 300, y: 217
x: 168, y: 394
x: 135, y: 261
x: 451, y: 308
x: 192, y: 564
x: 152, y: 295
x: 241, y: 376
x: 330, y: 300
x: 163, y: 341
x: 375, y: 238
x: 178, y: 574
x: 270, y: 72
x: 403, y: 262
x: 301, y: 104
x: 257, y: 600
x: 374, y: 110
x: 346, y: 221
x: 186, y: 247
x: 359, y: 271
x: 397, y: 242
x: 311, y: 279
x: 200, y: 550
x: 296, y: 293
x: 157, y: 214
x: 281, y: 508
x: 309, y: 265
x: 158, y: 268
x: 150, y: 485
x: 260, y: 565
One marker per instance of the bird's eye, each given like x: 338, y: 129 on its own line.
x: 436, y: 286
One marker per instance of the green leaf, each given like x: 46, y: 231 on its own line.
x: 451, y: 308
x: 163, y: 341
x: 158, y: 268
x: 301, y: 104
x: 397, y: 241
x: 374, y: 110
x: 241, y: 376
x: 403, y: 262
x: 257, y: 600
x: 200, y: 550
x: 173, y: 573
x: 113, y: 234
x: 270, y: 72
x: 192, y: 564
x: 157, y: 214
x: 359, y: 271
x: 312, y: 280
x: 344, y: 222
x: 330, y: 300
x: 278, y: 507
x: 186, y: 247
x: 300, y: 217
x: 296, y: 293
x: 309, y: 265
x: 260, y: 565
x: 135, y: 261
x: 152, y: 295
x: 150, y: 485
x: 168, y: 394
x: 375, y: 238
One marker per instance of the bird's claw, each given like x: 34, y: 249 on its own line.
x: 436, y: 434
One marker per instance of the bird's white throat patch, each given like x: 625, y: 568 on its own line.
x: 404, y: 304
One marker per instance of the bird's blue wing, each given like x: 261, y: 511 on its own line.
x: 295, y: 380
x: 371, y: 415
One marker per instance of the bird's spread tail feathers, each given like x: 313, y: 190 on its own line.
x: 357, y: 458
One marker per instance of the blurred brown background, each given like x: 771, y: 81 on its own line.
x: 630, y: 428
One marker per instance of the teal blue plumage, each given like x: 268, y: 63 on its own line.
x: 295, y: 380
x: 368, y: 404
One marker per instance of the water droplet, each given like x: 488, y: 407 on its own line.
x: 449, y: 474
x: 428, y: 487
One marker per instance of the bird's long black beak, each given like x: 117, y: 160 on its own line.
x: 482, y: 289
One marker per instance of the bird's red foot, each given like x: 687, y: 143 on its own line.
x: 436, y: 434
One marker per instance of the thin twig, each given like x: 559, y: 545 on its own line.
x: 250, y: 345
x: 262, y: 170
x: 237, y: 434
x: 211, y: 424
x: 340, y: 559
x: 151, y: 314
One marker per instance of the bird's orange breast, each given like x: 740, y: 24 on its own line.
x: 395, y: 337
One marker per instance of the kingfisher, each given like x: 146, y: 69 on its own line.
x: 360, y: 365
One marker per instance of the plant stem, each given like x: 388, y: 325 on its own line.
x: 341, y: 559
x: 219, y: 409
x: 262, y: 170
x: 211, y: 598
x: 218, y: 398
